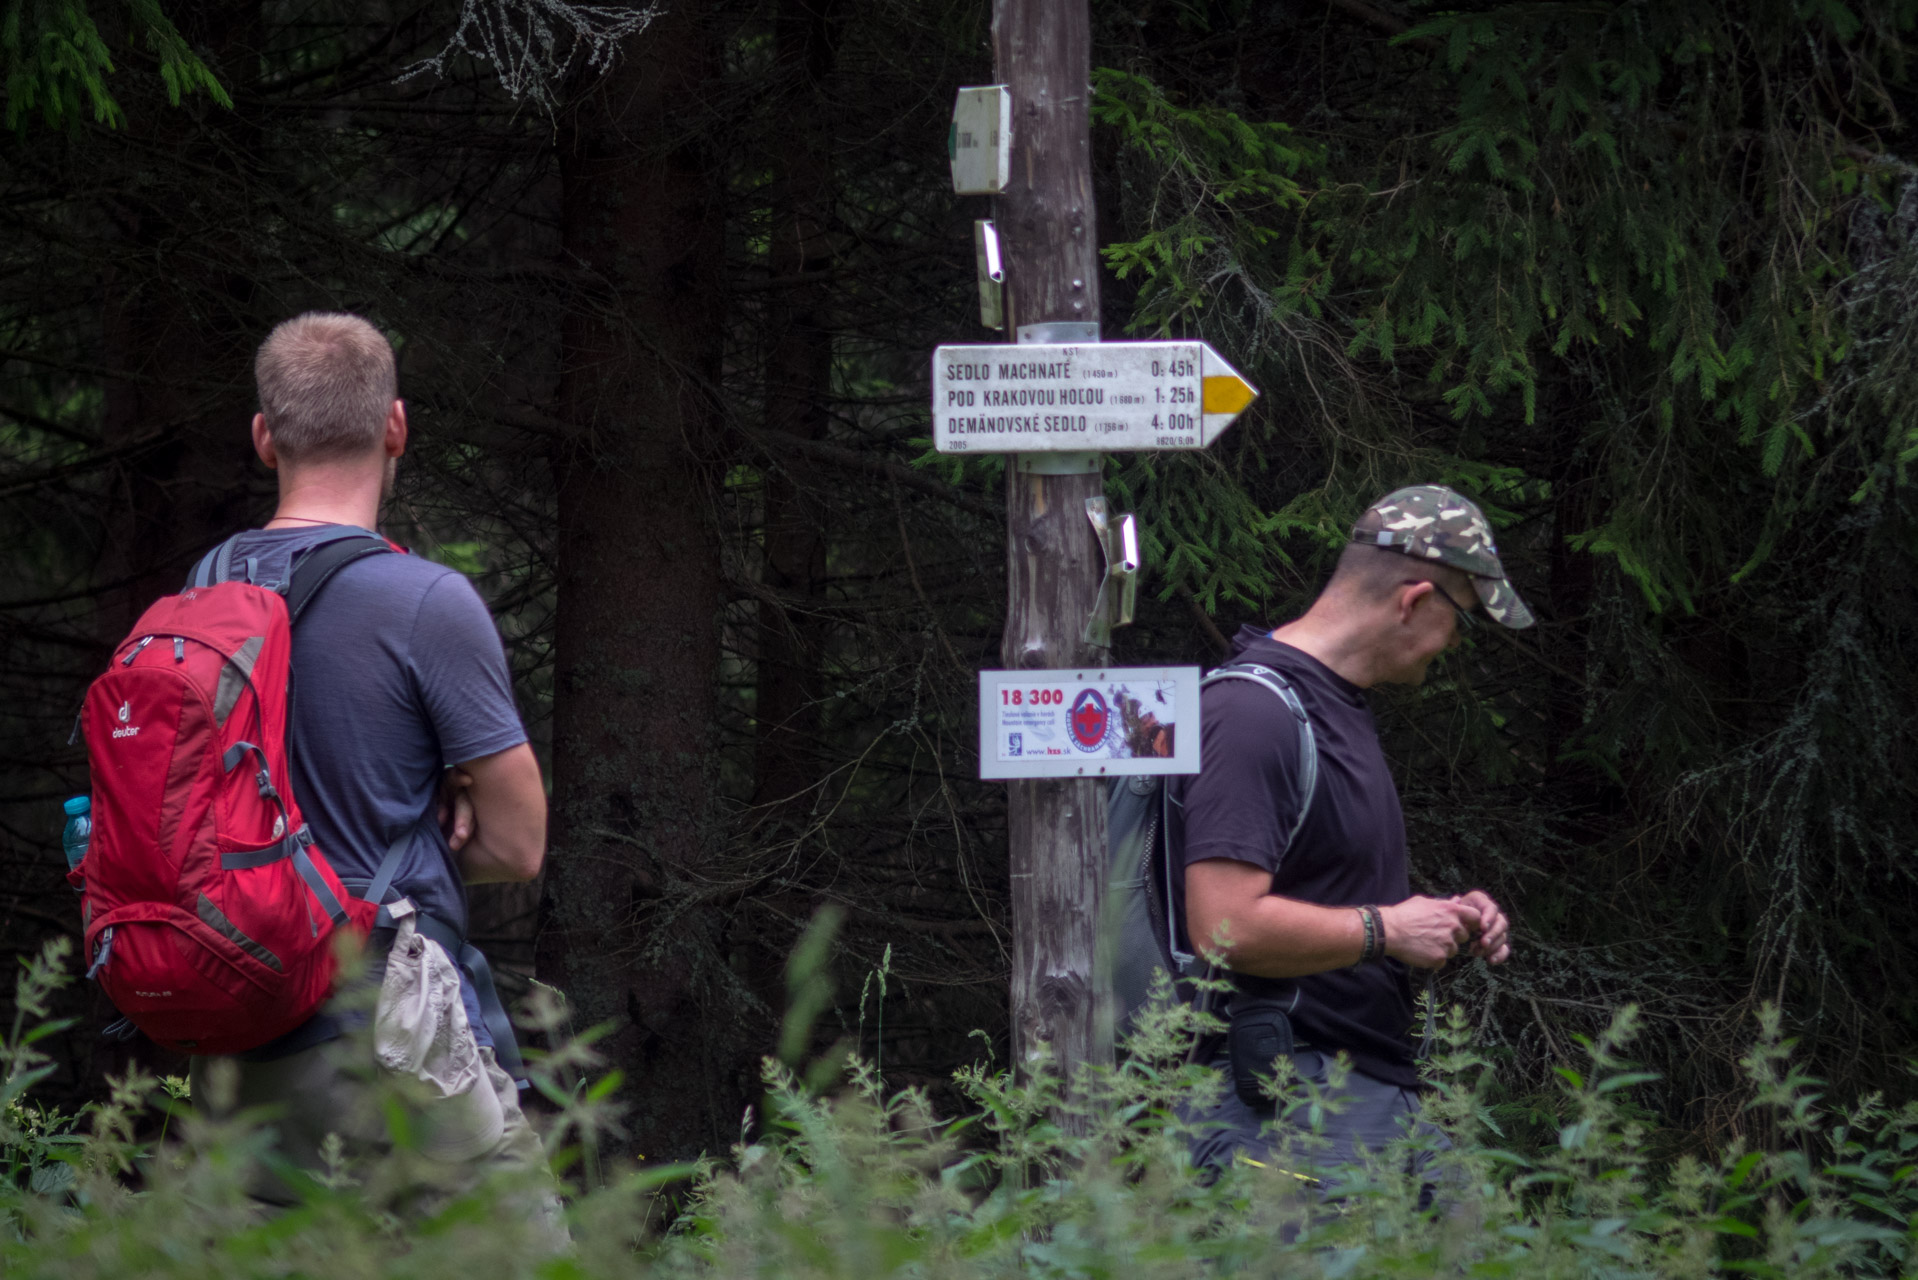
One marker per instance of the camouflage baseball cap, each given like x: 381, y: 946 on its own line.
x: 1433, y: 523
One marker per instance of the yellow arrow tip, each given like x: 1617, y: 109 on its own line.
x: 1228, y: 394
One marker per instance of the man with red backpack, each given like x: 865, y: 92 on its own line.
x: 404, y: 775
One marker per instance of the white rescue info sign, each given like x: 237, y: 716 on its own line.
x: 1088, y: 723
x: 1091, y: 397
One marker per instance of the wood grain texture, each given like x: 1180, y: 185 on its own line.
x: 1056, y: 828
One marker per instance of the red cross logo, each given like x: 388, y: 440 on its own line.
x: 1089, y: 720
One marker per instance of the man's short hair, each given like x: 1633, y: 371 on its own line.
x: 326, y: 383
x: 1372, y: 573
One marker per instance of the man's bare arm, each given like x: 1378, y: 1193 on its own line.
x: 1276, y: 937
x: 494, y: 812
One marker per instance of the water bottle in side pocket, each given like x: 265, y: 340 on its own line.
x: 78, y: 831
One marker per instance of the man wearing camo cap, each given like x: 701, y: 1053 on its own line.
x: 1431, y: 521
x: 1321, y: 926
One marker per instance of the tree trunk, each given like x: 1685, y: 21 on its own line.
x: 792, y: 634
x: 179, y: 329
x: 1056, y: 827
x: 636, y: 633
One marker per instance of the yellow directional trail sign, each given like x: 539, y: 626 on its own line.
x: 1092, y: 397
x: 1226, y: 393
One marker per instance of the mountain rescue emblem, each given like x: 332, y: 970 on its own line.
x: 1089, y: 719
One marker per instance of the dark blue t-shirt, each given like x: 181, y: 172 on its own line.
x: 1350, y: 852
x: 398, y: 672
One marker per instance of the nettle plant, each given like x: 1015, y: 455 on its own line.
x: 1040, y: 1179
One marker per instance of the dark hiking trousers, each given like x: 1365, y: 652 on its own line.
x: 1364, y: 1115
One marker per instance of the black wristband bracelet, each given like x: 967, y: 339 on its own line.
x: 1374, y: 944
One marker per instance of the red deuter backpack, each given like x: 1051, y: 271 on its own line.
x: 209, y: 913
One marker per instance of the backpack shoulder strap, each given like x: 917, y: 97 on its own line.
x: 1275, y: 683
x: 317, y: 565
x: 312, y: 568
x: 214, y: 566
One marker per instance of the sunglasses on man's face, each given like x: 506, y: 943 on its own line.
x: 1467, y: 619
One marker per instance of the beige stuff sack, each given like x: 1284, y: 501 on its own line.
x: 420, y: 1030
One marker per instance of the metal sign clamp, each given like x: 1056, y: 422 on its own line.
x: 1119, y: 590
x: 992, y: 275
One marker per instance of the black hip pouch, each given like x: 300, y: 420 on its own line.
x: 1259, y: 1033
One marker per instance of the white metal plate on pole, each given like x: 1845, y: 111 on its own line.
x: 1088, y: 723
x: 992, y: 274
x: 1083, y: 397
x: 980, y: 142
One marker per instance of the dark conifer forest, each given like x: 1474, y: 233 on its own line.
x: 1640, y: 278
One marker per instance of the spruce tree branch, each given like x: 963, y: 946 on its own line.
x: 1379, y: 20
x: 94, y: 461
x: 905, y: 544
x: 29, y: 419
x: 20, y: 908
x: 774, y: 444
x: 836, y: 455
x: 1531, y: 652
x: 1204, y: 619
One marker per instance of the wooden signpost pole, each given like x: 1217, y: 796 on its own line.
x: 1057, y: 827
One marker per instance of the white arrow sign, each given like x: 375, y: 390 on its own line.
x: 1089, y: 397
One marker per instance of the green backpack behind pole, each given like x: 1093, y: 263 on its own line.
x: 1146, y: 936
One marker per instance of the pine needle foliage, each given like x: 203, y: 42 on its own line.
x: 57, y: 62
x: 1656, y: 188
x: 1637, y: 278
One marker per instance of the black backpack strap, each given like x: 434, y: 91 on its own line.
x: 317, y: 565
x: 313, y: 569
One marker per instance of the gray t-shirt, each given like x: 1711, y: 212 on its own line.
x: 398, y: 672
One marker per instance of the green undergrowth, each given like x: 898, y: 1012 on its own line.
x: 861, y: 1182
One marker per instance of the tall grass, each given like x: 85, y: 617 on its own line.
x: 1036, y: 1180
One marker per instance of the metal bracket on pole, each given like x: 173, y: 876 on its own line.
x: 1057, y: 464
x: 1059, y: 331
x: 1119, y: 589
